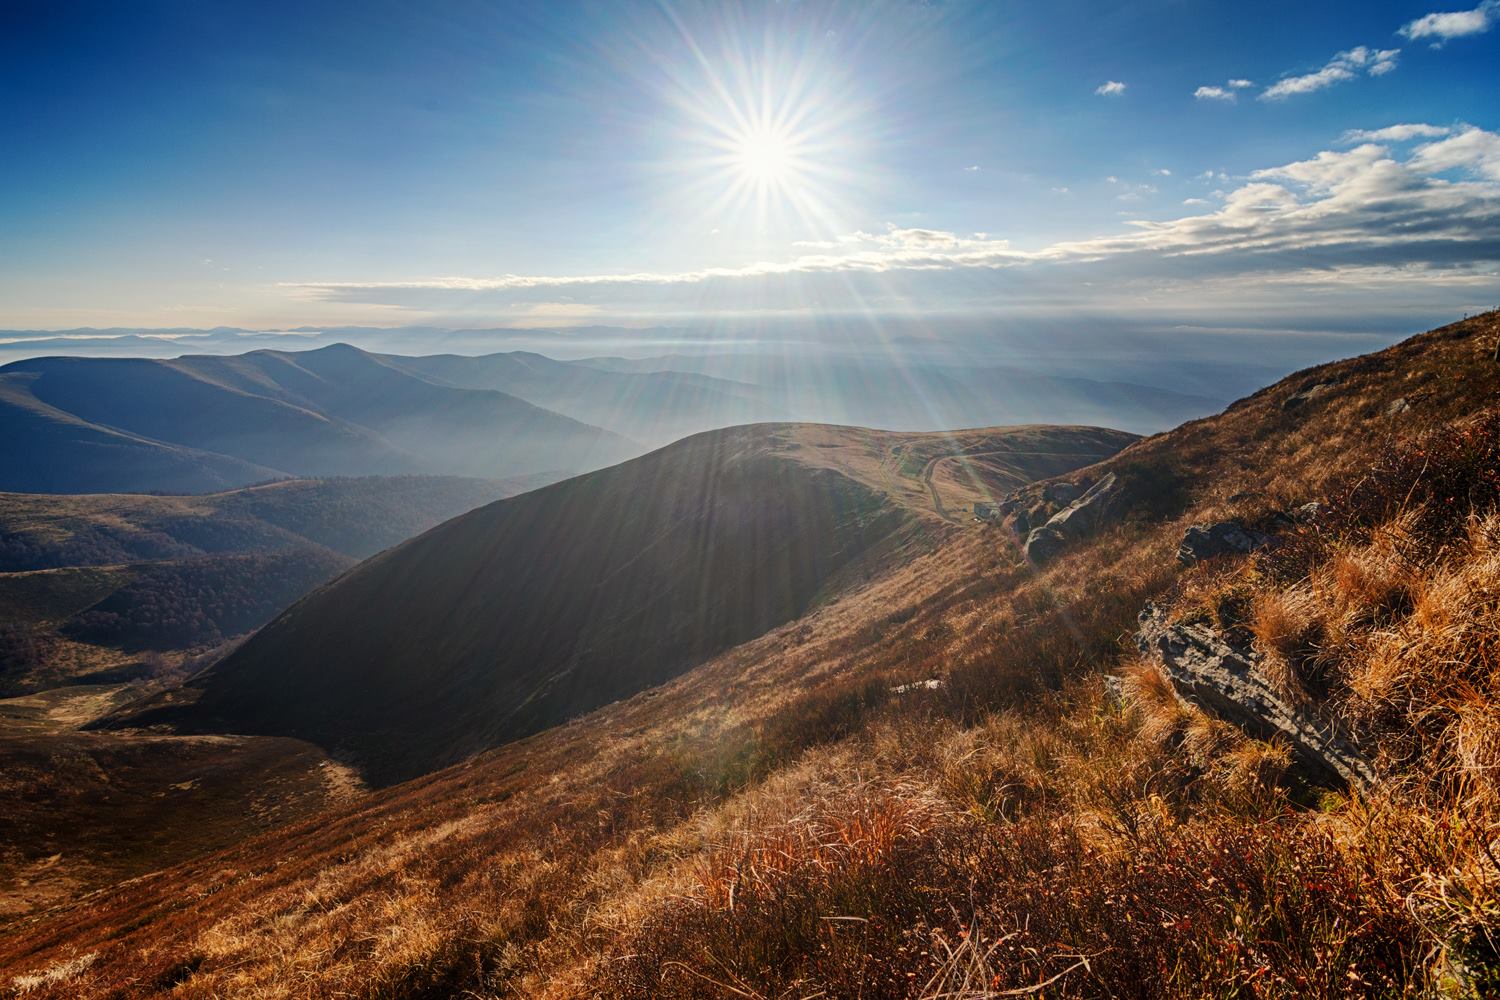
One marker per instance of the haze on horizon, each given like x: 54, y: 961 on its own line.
x: 1281, y: 182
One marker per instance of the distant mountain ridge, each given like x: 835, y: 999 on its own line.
x: 902, y: 392
x: 653, y: 407
x: 202, y: 423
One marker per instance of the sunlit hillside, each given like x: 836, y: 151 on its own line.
x: 750, y: 500
x: 927, y: 788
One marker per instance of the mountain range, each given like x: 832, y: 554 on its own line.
x: 207, y: 422
x: 79, y: 425
x: 768, y: 707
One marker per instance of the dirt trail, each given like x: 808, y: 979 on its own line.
x: 932, y: 465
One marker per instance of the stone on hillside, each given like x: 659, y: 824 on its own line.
x: 1206, y: 541
x: 1061, y: 493
x: 1307, y: 395
x: 1073, y: 521
x: 1088, y: 511
x: 1398, y: 407
x: 1206, y: 671
x: 1307, y: 513
x: 1044, y: 543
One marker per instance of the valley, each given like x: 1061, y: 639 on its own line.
x: 122, y: 710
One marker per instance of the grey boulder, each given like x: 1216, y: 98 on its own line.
x: 1076, y: 520
x: 1206, y: 671
x: 1204, y: 541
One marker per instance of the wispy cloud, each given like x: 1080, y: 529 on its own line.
x: 1111, y: 88
x: 1213, y: 92
x: 1440, y: 26
x: 1431, y: 212
x: 1342, y: 67
x: 1396, y: 133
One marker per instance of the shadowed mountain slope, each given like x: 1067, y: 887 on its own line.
x: 44, y: 449
x: 200, y: 423
x: 95, y: 587
x: 534, y: 609
x: 809, y: 813
x: 356, y: 517
x: 459, y: 429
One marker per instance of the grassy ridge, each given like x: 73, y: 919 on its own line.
x: 805, y: 816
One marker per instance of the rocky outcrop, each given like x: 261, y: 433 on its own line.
x: 1208, y: 672
x: 1061, y: 493
x: 1044, y: 543
x: 1307, y: 395
x: 1204, y: 541
x: 1076, y: 520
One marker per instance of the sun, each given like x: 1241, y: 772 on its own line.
x: 764, y: 155
x: 763, y: 139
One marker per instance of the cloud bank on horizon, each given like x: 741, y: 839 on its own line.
x: 1392, y: 210
x: 645, y: 164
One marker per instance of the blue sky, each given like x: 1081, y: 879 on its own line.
x: 1190, y: 163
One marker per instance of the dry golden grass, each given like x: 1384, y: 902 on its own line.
x: 1287, y: 630
x: 793, y: 819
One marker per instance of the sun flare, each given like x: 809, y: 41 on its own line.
x: 765, y: 155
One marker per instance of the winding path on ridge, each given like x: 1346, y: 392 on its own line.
x: 932, y: 464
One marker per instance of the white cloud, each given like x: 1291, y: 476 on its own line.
x: 972, y: 168
x: 1432, y: 212
x: 1443, y: 25
x: 1342, y: 67
x: 1396, y: 133
x: 1162, y: 172
x: 1473, y: 149
x: 1111, y: 88
x: 1195, y: 201
x: 1226, y: 93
